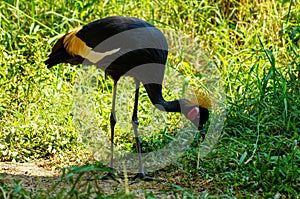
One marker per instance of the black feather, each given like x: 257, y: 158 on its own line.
x: 59, y: 56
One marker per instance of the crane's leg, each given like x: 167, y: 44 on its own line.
x: 135, y: 124
x: 113, y: 122
x: 141, y: 174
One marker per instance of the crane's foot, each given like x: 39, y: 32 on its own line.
x: 110, y: 176
x: 142, y: 177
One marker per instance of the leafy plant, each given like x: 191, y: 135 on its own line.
x: 255, y: 46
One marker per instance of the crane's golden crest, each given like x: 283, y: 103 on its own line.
x: 201, y: 98
x: 204, y: 99
x: 75, y: 46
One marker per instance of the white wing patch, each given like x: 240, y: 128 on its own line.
x: 95, y: 57
x: 75, y: 46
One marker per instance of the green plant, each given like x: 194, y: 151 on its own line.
x: 255, y: 46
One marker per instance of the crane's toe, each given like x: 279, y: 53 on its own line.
x: 143, y: 177
x: 111, y: 176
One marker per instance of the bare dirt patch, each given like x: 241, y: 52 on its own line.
x: 40, y: 168
x: 43, y: 175
x: 31, y: 176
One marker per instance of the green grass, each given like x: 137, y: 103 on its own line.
x: 255, y: 46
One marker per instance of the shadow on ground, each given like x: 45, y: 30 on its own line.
x: 42, y: 176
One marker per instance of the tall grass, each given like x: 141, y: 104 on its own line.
x: 255, y: 45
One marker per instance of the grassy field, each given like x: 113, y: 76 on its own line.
x: 255, y: 46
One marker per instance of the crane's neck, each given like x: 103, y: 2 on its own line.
x: 155, y: 94
x: 168, y: 106
x: 196, y: 114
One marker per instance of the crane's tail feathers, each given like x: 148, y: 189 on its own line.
x: 60, y: 56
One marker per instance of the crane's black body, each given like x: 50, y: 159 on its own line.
x: 137, y: 49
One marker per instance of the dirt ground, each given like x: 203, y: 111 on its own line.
x: 31, y: 175
x: 42, y: 175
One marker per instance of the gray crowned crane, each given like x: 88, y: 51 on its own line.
x: 126, y: 46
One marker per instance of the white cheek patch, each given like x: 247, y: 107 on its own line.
x: 95, y: 57
x: 192, y: 114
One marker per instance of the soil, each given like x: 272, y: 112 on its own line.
x: 43, y: 175
x: 32, y: 176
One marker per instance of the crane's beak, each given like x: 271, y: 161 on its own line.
x: 202, y: 131
x: 200, y: 127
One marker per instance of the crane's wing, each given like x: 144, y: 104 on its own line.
x: 115, y: 44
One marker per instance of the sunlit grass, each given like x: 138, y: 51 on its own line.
x: 255, y: 46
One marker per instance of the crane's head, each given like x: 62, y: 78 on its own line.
x: 198, y: 116
x: 198, y: 112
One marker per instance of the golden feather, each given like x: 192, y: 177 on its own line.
x: 74, y: 45
x: 204, y: 100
